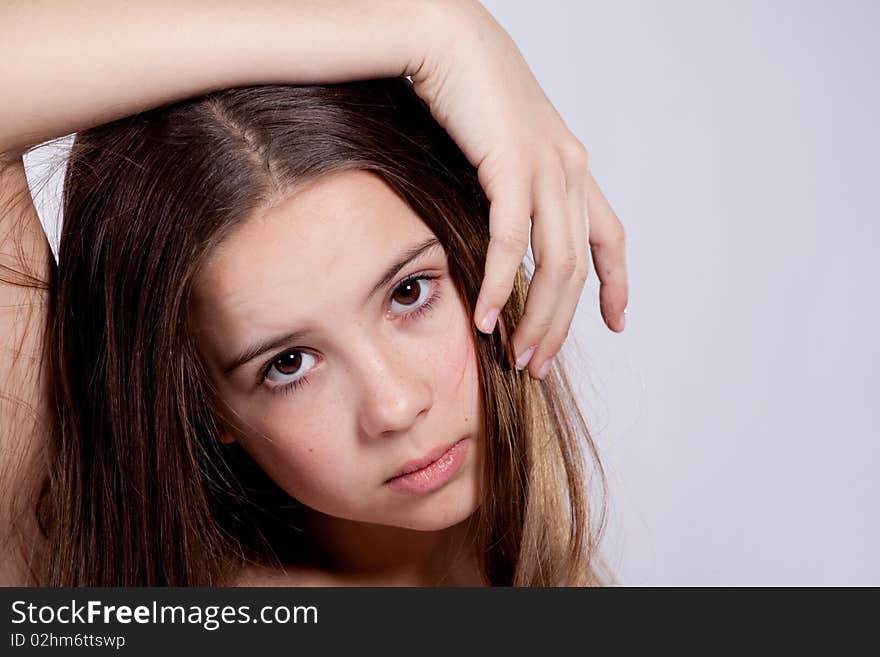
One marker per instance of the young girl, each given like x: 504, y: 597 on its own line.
x: 263, y: 367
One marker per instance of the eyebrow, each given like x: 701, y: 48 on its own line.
x: 403, y: 259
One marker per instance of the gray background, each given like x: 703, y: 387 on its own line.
x: 737, y: 415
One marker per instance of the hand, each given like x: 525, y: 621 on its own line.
x: 480, y: 89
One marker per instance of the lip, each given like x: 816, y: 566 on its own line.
x: 432, y: 471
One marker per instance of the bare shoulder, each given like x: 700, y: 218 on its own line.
x: 25, y: 260
x: 288, y: 576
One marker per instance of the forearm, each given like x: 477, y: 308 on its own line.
x: 68, y: 66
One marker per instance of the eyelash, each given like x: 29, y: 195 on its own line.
x: 426, y: 307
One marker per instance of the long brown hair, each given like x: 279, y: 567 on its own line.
x: 140, y: 491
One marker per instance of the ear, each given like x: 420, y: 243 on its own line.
x: 226, y: 438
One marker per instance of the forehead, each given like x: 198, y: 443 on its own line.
x: 337, y: 233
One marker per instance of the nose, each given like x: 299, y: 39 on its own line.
x: 395, y: 390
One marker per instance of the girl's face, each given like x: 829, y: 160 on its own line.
x: 343, y: 358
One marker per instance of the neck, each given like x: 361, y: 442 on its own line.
x: 380, y: 555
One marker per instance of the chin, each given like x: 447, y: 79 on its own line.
x: 434, y: 524
x: 436, y: 515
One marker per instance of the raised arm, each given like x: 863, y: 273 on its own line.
x: 87, y: 62
x: 80, y: 64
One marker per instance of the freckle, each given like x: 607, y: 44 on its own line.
x: 311, y: 449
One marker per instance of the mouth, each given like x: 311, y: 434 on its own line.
x: 421, y: 463
x: 433, y: 476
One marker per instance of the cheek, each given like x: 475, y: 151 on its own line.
x: 304, y: 457
x: 454, y: 363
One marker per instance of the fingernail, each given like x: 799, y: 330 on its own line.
x: 545, y: 368
x: 524, y: 357
x: 488, y: 323
x: 623, y: 319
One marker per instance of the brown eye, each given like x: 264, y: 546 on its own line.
x: 411, y: 291
x: 414, y: 294
x: 290, y: 363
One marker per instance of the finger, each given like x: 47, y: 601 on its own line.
x: 608, y: 245
x: 509, y: 224
x: 555, y: 263
x: 559, y: 331
x: 544, y: 357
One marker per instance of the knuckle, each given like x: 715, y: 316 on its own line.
x: 511, y: 242
x: 568, y: 266
x: 540, y: 325
x: 500, y: 288
x: 554, y: 273
x: 562, y: 268
x: 575, y: 154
